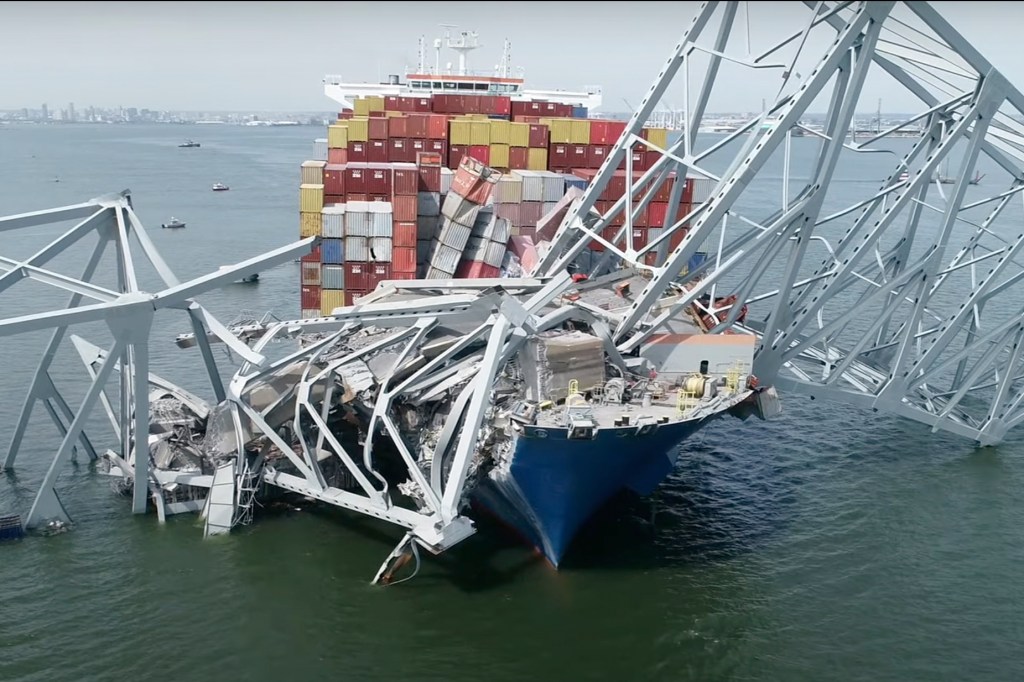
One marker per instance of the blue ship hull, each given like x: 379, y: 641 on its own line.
x: 554, y: 484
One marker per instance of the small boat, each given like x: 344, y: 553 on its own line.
x: 188, y: 144
x: 173, y: 223
x: 218, y: 187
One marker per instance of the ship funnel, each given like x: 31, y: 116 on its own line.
x: 392, y: 79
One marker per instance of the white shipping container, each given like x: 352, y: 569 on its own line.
x: 445, y: 258
x: 434, y: 273
x: 501, y: 232
x: 533, y: 184
x: 311, y: 313
x: 702, y: 189
x: 357, y: 224
x: 509, y: 190
x: 333, y: 277
x: 428, y: 203
x: 357, y: 249
x: 381, y: 224
x: 377, y: 206
x: 380, y: 248
x: 494, y: 253
x: 553, y: 185
x: 548, y: 207
x: 454, y: 235
x: 446, y: 176
x: 320, y: 150
x: 459, y: 210
x: 333, y: 221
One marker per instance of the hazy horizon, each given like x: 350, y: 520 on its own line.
x: 214, y: 57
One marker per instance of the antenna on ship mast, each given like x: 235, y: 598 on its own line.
x: 466, y: 43
x: 421, y: 65
x: 505, y: 66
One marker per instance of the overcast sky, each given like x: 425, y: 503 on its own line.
x: 272, y: 56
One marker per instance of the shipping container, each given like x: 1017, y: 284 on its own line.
x: 417, y: 126
x: 641, y: 160
x: 532, y: 185
x: 439, y: 147
x: 310, y: 297
x: 579, y: 131
x: 474, y: 181
x: 334, y: 179
x: 509, y: 189
x: 356, y: 152
x: 481, y: 153
x: 332, y: 251
x: 312, y: 173
x: 510, y: 212
x: 519, y: 134
x: 310, y: 273
x: 356, y: 276
x: 499, y: 132
x: 477, y: 270
x: 560, y: 131
x: 355, y: 179
x: 379, y: 180
x: 428, y: 203
x: 311, y: 198
x: 333, y: 277
x: 518, y: 158
x: 574, y: 181
x: 558, y: 156
x: 361, y: 107
x: 331, y: 299
x: 406, y: 179
x: 380, y: 249
x: 553, y: 185
x: 399, y: 150
x: 530, y: 213
x: 310, y: 313
x: 537, y: 159
x: 579, y: 112
x: 398, y: 126
x: 656, y: 213
x: 381, y: 222
x: 332, y: 221
x: 403, y: 259
x: 352, y: 296
x: 428, y: 179
x: 702, y: 189
x: 404, y: 208
x: 357, y: 219
x: 320, y: 149
x: 445, y: 258
x: 357, y: 249
x: 402, y: 275
x: 379, y: 272
x: 437, y: 127
x: 358, y: 130
x: 404, y: 234
x: 459, y: 133
x: 498, y: 156
x: 337, y: 136
x: 454, y: 235
x: 539, y: 136
x: 447, y: 174
x: 455, y: 155
x: 596, y: 154
x: 377, y: 128
x: 605, y: 132
x: 434, y: 273
x: 309, y: 224
x: 656, y: 136
x: 338, y: 156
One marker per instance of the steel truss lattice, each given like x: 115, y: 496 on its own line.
x: 128, y: 311
x: 903, y: 295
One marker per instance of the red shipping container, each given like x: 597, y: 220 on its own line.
x: 378, y: 181
x: 538, y: 136
x: 392, y: 103
x: 403, y: 258
x: 357, y: 196
x: 313, y: 256
x: 357, y: 152
x: 378, y: 273
x: 563, y: 110
x: 605, y: 132
x: 355, y: 179
x: 676, y: 238
x: 439, y: 104
x: 688, y: 191
x: 310, y: 296
x: 420, y: 104
x: 656, y: 212
x: 509, y: 212
x: 429, y: 179
x: 406, y: 180
x: 352, y: 294
x: 429, y: 158
x: 396, y: 150
x: 334, y: 199
x: 334, y: 179
x: 378, y: 128
x: 558, y: 156
x: 502, y: 106
x: 639, y: 237
x: 641, y: 218
x: 455, y: 154
x: 345, y: 114
x: 404, y: 234
x: 439, y: 147
x: 404, y: 208
x: 402, y: 275
x: 530, y: 212
x: 417, y: 147
x: 524, y: 109
x: 357, y: 276
x: 596, y: 155
x: 398, y: 126
x: 337, y: 156
x: 377, y: 151
x: 579, y: 156
x: 664, y: 192
x: 477, y: 270
x: 437, y: 127
x: 416, y: 126
x: 640, y: 161
x: 481, y: 152
x: 376, y: 114
x: 518, y: 158
x: 474, y: 103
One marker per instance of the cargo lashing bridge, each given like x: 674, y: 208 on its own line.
x: 904, y: 298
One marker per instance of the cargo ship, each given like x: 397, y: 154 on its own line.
x: 448, y: 176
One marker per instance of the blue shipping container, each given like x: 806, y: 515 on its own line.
x: 332, y: 251
x: 579, y: 112
x: 696, y: 260
x: 573, y: 181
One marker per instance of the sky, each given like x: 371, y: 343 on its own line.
x: 271, y: 56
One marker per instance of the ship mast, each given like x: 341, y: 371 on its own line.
x: 463, y: 45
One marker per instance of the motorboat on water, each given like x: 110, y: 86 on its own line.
x: 173, y: 223
x: 188, y: 144
x: 218, y: 187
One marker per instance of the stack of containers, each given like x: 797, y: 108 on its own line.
x: 428, y: 207
x: 471, y: 189
x: 485, y: 249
